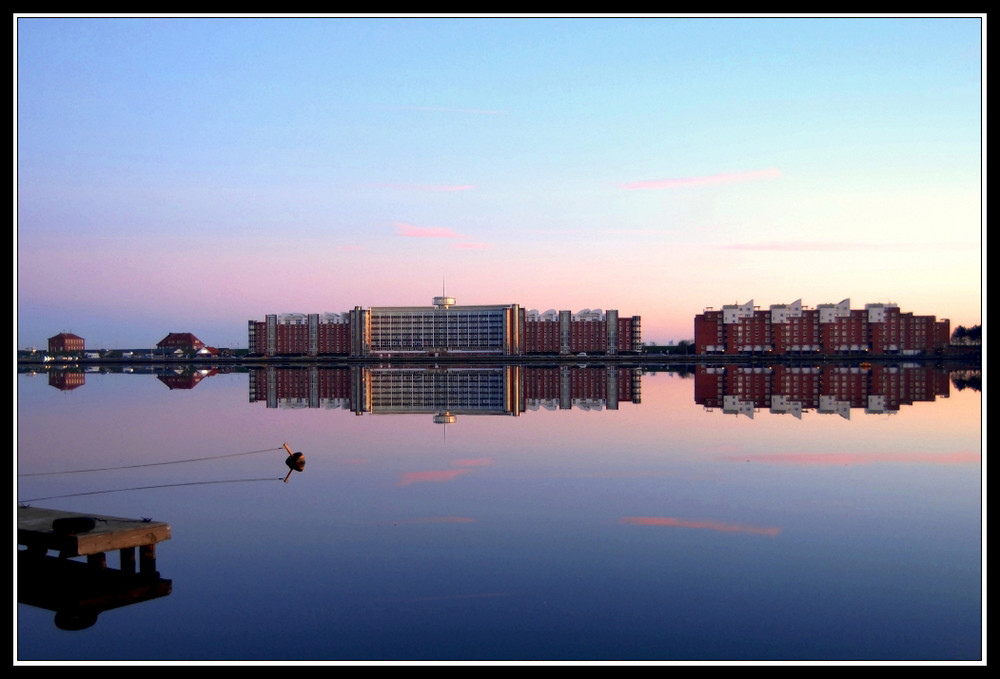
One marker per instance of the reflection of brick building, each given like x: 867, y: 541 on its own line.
x: 878, y: 329
x: 64, y: 380
x: 65, y: 342
x: 794, y: 389
x: 445, y: 328
x: 563, y: 387
x: 188, y: 380
x: 507, y: 389
x: 184, y: 341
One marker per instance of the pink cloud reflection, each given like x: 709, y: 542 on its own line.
x: 423, y: 477
x: 710, y: 180
x: 707, y: 524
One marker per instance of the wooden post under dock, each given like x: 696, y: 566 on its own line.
x: 36, y: 532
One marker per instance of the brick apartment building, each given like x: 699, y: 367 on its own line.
x: 829, y: 329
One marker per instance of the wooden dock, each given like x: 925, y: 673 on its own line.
x: 41, y: 530
x: 79, y: 591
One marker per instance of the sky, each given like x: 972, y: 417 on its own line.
x: 188, y: 174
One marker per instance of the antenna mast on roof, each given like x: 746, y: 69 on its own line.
x: 443, y: 302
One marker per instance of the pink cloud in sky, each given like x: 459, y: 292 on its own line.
x: 472, y: 246
x: 840, y: 459
x: 709, y: 180
x: 422, y: 477
x: 411, y: 231
x: 707, y: 524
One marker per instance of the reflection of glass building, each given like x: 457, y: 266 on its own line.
x: 447, y: 390
x: 492, y: 390
x: 743, y: 390
x: 445, y: 328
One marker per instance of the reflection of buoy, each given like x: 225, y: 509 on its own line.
x: 295, y: 462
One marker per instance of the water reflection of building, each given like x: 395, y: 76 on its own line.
x: 68, y: 377
x: 447, y: 391
x: 877, y: 329
x: 66, y: 380
x: 445, y: 328
x: 566, y: 387
x: 480, y: 390
x: 743, y: 390
x: 186, y: 379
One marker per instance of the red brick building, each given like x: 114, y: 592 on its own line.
x: 587, y: 331
x: 306, y: 334
x: 65, y: 342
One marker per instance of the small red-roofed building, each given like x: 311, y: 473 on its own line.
x: 184, y: 341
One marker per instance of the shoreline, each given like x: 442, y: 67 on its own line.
x: 957, y: 356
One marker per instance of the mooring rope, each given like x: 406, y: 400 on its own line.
x: 166, y: 485
x: 155, y: 464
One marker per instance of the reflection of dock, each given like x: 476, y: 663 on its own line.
x: 79, y: 591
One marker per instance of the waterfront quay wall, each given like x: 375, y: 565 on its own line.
x: 961, y: 355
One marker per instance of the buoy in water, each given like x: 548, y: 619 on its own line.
x: 295, y: 462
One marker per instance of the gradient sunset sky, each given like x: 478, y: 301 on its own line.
x: 189, y: 174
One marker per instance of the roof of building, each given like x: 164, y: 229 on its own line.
x: 179, y: 338
x: 65, y: 335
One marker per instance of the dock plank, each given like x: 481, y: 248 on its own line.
x: 34, y: 530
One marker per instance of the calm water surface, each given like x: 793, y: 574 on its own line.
x: 655, y: 529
